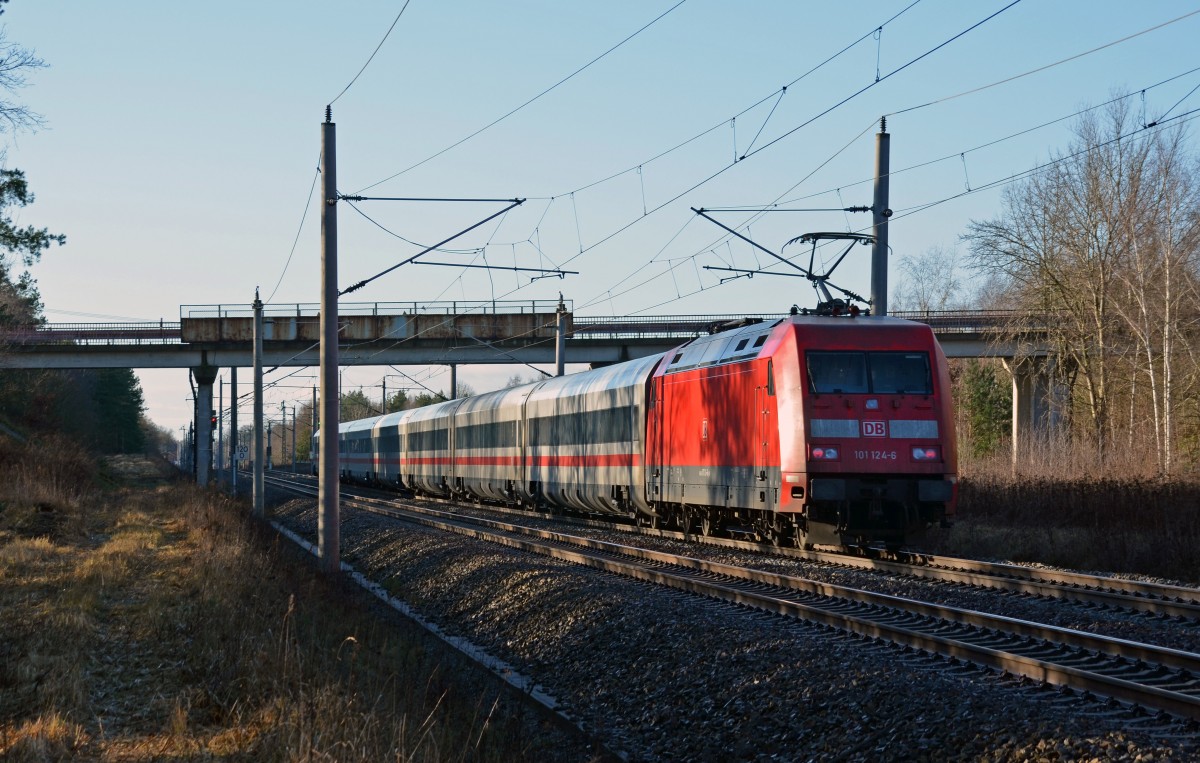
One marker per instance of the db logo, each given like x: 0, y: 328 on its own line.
x: 874, y: 429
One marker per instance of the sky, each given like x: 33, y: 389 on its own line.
x: 182, y: 142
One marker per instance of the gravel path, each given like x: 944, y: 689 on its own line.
x: 663, y: 675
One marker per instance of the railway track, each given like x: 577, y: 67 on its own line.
x: 1098, y: 590
x: 1142, y: 675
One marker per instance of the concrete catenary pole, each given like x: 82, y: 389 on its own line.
x: 233, y: 432
x: 293, y: 438
x: 880, y: 214
x: 560, y: 338
x: 328, y: 529
x: 260, y: 503
x: 453, y: 382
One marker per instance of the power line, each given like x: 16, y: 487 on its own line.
x: 957, y: 153
x: 744, y: 111
x: 296, y: 240
x: 1048, y: 66
x: 500, y: 119
x: 759, y: 150
x: 664, y: 153
x: 807, y: 122
x: 949, y: 156
x: 885, y: 77
x: 372, y: 56
x: 1162, y: 124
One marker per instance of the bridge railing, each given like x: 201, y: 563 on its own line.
x: 149, y: 332
x: 652, y: 326
x: 312, y: 309
x: 975, y: 321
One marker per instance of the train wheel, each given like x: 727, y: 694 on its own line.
x: 707, y: 526
x: 686, y: 521
x: 775, y: 530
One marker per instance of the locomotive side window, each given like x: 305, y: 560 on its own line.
x: 837, y: 372
x: 878, y: 372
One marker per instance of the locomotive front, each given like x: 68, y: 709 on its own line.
x: 867, y: 442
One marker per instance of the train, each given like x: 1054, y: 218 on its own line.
x: 809, y: 430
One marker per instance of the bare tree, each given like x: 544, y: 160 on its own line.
x: 1103, y: 241
x: 15, y: 64
x: 1158, y: 277
x: 1057, y: 243
x: 928, y: 281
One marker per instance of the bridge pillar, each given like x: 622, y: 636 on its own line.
x: 204, y: 376
x: 1037, y: 404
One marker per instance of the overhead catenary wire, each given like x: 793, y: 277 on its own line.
x: 673, y: 263
x: 532, y: 100
x: 792, y: 131
x: 550, y: 204
x: 973, y: 90
x: 957, y: 153
x: 583, y: 250
x: 743, y: 112
x: 299, y: 229
x: 372, y: 56
x: 1047, y: 66
x: 1183, y: 118
x: 885, y: 77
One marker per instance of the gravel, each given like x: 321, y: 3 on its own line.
x: 663, y: 675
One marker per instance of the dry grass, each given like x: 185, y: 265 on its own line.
x: 154, y: 624
x: 1058, y: 507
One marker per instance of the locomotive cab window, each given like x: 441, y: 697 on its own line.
x: 869, y: 372
x: 900, y: 373
x: 833, y: 372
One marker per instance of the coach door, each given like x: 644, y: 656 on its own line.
x: 654, y: 443
x: 762, y: 438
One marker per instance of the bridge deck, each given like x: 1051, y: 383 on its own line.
x: 524, y: 333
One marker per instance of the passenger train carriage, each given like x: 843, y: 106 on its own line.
x: 816, y: 430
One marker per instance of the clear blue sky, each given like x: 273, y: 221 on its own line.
x: 183, y: 139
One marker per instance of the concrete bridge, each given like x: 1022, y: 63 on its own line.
x: 209, y: 337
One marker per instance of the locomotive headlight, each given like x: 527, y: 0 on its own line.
x: 926, y: 453
x: 824, y: 453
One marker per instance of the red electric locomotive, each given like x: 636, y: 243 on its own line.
x: 812, y: 429
x: 821, y: 430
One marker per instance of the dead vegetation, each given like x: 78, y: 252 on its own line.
x: 1058, y: 507
x: 152, y: 623
x: 156, y: 623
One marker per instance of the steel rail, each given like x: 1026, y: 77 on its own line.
x: 1141, y: 674
x: 1153, y: 598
